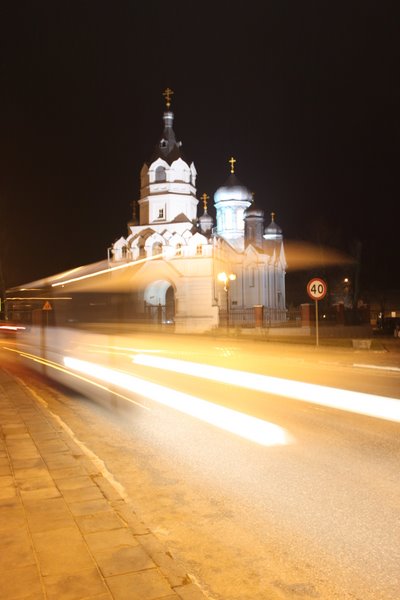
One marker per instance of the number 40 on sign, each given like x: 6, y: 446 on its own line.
x: 317, y: 288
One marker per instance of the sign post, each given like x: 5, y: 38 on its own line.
x: 316, y: 289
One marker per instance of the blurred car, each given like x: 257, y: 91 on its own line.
x: 8, y: 328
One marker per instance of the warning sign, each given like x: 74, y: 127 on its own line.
x: 47, y: 306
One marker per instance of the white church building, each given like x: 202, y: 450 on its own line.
x: 190, y: 271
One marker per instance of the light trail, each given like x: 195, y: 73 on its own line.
x: 58, y: 367
x: 371, y: 405
x: 108, y: 270
x: 241, y: 424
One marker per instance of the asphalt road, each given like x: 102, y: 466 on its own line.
x: 315, y: 513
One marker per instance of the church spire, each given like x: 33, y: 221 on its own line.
x: 168, y: 148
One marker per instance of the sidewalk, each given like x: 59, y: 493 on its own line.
x: 65, y: 531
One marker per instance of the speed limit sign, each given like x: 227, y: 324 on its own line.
x: 317, y: 288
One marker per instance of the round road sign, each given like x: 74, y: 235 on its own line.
x: 317, y: 288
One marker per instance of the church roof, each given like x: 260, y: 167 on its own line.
x: 273, y: 228
x: 253, y: 211
x: 181, y: 218
x: 168, y: 148
x: 232, y: 189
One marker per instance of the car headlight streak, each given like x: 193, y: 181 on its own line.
x: 366, y: 404
x: 252, y: 428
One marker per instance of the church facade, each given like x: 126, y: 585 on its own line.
x: 193, y: 272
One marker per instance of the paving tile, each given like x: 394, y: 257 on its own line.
x: 130, y: 517
x: 75, y: 585
x: 100, y: 540
x: 91, y: 492
x: 8, y: 492
x: 20, y: 464
x: 17, y: 438
x: 23, y: 451
x: 44, y: 515
x: 14, y: 429
x: 74, y: 483
x: 38, y: 427
x: 76, y: 471
x: 6, y: 481
x: 144, y: 585
x: 88, y: 507
x: 12, y: 517
x: 16, y: 550
x: 99, y: 522
x: 108, y: 490
x: 51, y: 446
x: 21, y: 583
x: 42, y: 493
x: 10, y: 503
x: 89, y: 466
x: 5, y: 468
x: 60, y: 461
x: 35, y: 483
x: 122, y: 559
x: 62, y: 551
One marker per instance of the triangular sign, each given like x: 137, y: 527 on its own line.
x: 47, y: 306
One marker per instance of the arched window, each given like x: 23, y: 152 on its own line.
x: 160, y: 174
x: 178, y: 250
x: 199, y: 249
x: 157, y: 248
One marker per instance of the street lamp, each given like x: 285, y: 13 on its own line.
x: 226, y: 280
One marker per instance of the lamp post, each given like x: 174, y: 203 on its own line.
x: 226, y: 280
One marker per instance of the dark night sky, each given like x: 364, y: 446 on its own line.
x: 305, y: 95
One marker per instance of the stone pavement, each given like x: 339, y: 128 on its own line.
x: 65, y: 532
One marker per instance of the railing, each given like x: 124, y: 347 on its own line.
x: 271, y: 317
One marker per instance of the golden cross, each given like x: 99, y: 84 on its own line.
x: 273, y: 216
x: 232, y: 161
x: 205, y: 198
x: 167, y: 95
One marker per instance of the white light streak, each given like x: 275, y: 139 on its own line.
x: 108, y: 270
x: 57, y: 367
x: 246, y: 426
x: 371, y: 405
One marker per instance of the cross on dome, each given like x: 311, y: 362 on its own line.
x: 232, y: 162
x: 205, y: 197
x: 167, y: 95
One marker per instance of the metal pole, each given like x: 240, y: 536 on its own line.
x: 316, y: 323
x: 227, y: 307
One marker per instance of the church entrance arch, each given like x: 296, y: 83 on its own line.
x: 159, y: 302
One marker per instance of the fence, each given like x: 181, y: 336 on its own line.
x: 254, y: 317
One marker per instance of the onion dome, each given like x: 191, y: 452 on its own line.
x: 206, y: 222
x: 232, y: 190
x: 273, y: 231
x: 253, y: 211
